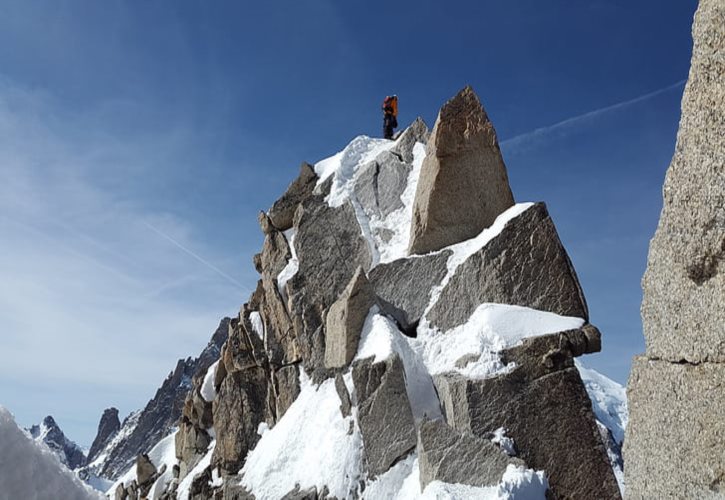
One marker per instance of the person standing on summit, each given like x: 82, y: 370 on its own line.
x: 390, y: 115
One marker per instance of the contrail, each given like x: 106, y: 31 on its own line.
x: 521, y: 140
x: 197, y: 257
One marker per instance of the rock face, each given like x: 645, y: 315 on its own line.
x: 676, y: 434
x: 283, y: 210
x: 529, y: 251
x: 675, y: 413
x: 330, y: 248
x: 386, y: 420
x: 403, y: 286
x: 107, y: 428
x: 381, y: 183
x: 345, y: 321
x: 463, y: 184
x: 458, y: 457
x: 244, y: 399
x: 544, y: 408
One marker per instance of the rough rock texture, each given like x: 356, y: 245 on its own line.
x: 678, y: 442
x: 239, y: 408
x: 403, y: 286
x: 544, y: 408
x: 345, y: 320
x: 342, y: 392
x: 416, y: 132
x: 146, y: 473
x: 463, y: 185
x: 684, y: 285
x: 287, y: 387
x: 675, y: 440
x: 283, y: 210
x: 330, y: 249
x: 384, y: 414
x: 448, y: 455
x: 383, y: 180
x: 524, y: 265
x: 381, y: 183
x: 107, y: 428
x: 244, y: 398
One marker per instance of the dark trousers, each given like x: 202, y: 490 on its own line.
x: 389, y: 123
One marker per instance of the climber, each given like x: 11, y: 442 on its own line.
x: 390, y: 115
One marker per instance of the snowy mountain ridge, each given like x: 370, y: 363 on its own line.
x: 400, y: 283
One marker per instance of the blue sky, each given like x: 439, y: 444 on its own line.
x: 125, y: 125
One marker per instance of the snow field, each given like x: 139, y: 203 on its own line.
x: 310, y: 446
x: 33, y: 472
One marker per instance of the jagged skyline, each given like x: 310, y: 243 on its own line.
x: 110, y: 126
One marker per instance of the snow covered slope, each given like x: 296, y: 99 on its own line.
x: 30, y: 471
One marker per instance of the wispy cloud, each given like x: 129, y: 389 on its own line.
x: 92, y: 301
x: 198, y: 258
x: 531, y: 138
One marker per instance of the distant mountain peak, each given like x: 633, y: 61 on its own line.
x: 49, y: 433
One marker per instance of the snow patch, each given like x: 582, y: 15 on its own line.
x: 345, y: 165
x: 504, y: 442
x: 402, y: 482
x: 257, y: 323
x: 380, y: 338
x: 33, y: 472
x: 310, y: 446
x: 472, y: 348
x: 292, y: 266
x: 208, y: 391
x: 398, y: 222
x: 609, y: 400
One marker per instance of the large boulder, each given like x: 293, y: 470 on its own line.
x: 463, y: 185
x: 545, y: 409
x: 403, y: 286
x: 146, y: 473
x: 239, y: 408
x: 345, y: 320
x: 283, y: 210
x: 676, y: 433
x: 384, y: 414
x: 452, y: 456
x: 525, y: 265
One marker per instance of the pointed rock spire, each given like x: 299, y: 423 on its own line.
x: 463, y: 184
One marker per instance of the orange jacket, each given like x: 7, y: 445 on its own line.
x: 390, y: 106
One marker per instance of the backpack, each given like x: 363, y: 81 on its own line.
x: 390, y: 105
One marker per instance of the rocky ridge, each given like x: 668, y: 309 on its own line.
x: 675, y: 442
x: 49, y: 434
x: 118, y: 444
x: 356, y: 364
